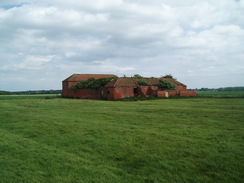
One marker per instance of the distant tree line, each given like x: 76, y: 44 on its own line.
x: 237, y: 88
x: 31, y: 92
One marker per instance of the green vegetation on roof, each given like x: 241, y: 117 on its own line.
x: 167, y: 84
x: 137, y: 76
x: 92, y: 83
x: 169, y: 76
x: 142, y: 82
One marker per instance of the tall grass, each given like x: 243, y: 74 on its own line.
x: 67, y: 140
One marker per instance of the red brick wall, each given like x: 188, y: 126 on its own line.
x: 70, y: 83
x: 84, y: 93
x: 153, y: 91
x: 121, y: 92
x: 107, y: 93
x: 180, y: 88
x: 161, y: 94
x: 65, y: 92
x: 188, y: 93
x: 66, y: 86
x: 145, y: 89
x: 173, y: 93
x: 153, y: 88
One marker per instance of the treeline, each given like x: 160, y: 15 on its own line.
x: 237, y: 88
x: 31, y: 92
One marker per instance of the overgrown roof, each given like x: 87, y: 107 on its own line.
x: 173, y: 81
x: 132, y: 82
x: 84, y: 77
x: 121, y: 82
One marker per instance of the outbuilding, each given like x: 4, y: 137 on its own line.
x: 118, y: 88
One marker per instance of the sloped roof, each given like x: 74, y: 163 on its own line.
x: 121, y: 82
x: 153, y: 81
x: 84, y: 77
x: 173, y: 81
x: 132, y: 82
x: 156, y: 81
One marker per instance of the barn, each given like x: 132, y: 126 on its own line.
x: 81, y: 93
x: 118, y: 88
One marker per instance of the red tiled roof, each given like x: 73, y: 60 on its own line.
x: 84, y: 77
x: 153, y: 81
x: 173, y: 81
x: 121, y: 82
x: 132, y: 82
x: 156, y: 81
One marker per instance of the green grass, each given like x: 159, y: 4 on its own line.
x: 45, y: 96
x: 69, y: 140
x: 221, y: 94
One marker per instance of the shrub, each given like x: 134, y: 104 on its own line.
x: 167, y: 84
x: 169, y: 76
x: 137, y: 76
x: 142, y: 82
x: 92, y: 83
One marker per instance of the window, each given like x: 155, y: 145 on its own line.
x: 135, y: 90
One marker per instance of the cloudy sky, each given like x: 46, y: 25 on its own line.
x: 42, y: 42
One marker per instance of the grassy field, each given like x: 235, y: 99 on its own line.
x: 221, y: 94
x: 168, y: 140
x: 41, y: 96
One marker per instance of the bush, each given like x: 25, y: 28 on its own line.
x: 137, y: 76
x: 92, y: 83
x: 167, y: 84
x: 169, y: 76
x: 142, y: 82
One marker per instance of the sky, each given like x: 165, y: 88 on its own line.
x: 199, y: 42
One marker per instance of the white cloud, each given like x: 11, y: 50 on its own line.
x: 189, y: 39
x: 28, y: 62
x: 108, y: 66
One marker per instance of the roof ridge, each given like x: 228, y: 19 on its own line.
x: 81, y: 77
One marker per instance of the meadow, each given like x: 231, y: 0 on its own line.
x: 40, y: 96
x: 165, y: 140
x: 221, y: 94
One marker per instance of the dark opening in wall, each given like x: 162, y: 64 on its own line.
x: 135, y: 90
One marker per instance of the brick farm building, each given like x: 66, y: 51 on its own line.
x: 118, y: 88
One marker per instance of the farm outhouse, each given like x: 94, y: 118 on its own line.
x: 118, y: 88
